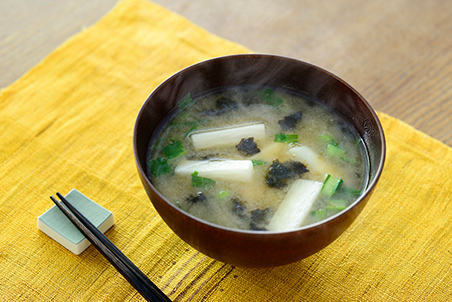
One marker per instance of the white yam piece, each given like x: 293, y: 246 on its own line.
x: 310, y: 158
x: 273, y: 151
x: 295, y: 206
x: 226, y: 136
x: 218, y: 169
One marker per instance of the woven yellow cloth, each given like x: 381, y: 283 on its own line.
x: 68, y: 123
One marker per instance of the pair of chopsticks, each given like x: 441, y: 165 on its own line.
x: 132, y: 273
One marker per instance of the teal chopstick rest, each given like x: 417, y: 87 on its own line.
x: 57, y: 226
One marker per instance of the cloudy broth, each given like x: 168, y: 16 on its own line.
x: 244, y: 157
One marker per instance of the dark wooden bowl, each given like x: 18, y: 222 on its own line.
x: 252, y: 248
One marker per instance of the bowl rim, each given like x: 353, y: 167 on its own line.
x: 369, y: 187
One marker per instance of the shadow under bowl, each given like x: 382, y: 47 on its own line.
x: 254, y: 248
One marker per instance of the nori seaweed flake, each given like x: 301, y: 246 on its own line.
x: 200, y: 197
x: 248, y: 146
x: 279, y: 173
x: 290, y: 122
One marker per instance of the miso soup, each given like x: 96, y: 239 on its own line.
x: 257, y: 159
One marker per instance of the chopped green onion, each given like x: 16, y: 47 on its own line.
x: 343, y: 189
x: 338, y: 203
x: 335, y: 151
x: 349, y: 160
x: 193, y: 128
x: 271, y: 98
x: 257, y: 162
x: 201, y: 182
x: 286, y: 138
x: 159, y: 166
x: 178, y: 205
x: 174, y: 149
x: 222, y: 195
x: 186, y: 102
x: 333, y: 209
x: 319, y: 214
x: 326, y: 138
x: 330, y: 185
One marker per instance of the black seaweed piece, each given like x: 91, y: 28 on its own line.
x: 239, y: 209
x: 222, y: 105
x: 260, y: 218
x: 296, y: 168
x: 290, y: 122
x: 198, y: 198
x: 278, y: 173
x: 248, y: 146
x: 255, y: 227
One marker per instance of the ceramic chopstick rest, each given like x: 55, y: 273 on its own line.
x: 57, y: 226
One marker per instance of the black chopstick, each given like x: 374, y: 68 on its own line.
x: 132, y: 273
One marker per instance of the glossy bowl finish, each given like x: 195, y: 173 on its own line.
x: 254, y: 248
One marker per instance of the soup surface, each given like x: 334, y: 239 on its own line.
x: 257, y: 159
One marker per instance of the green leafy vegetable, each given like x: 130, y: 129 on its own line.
x: 257, y: 162
x: 349, y: 160
x: 286, y: 138
x: 338, y: 203
x: 190, y: 125
x: 186, y: 102
x: 159, y: 166
x: 193, y: 128
x: 333, y: 207
x: 271, y: 98
x: 343, y: 189
x: 319, y: 214
x: 174, y: 149
x: 222, y: 195
x: 333, y: 210
x: 335, y: 151
x: 328, y: 139
x: 330, y: 185
x: 201, y: 182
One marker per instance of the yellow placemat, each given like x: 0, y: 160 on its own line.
x: 68, y: 123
